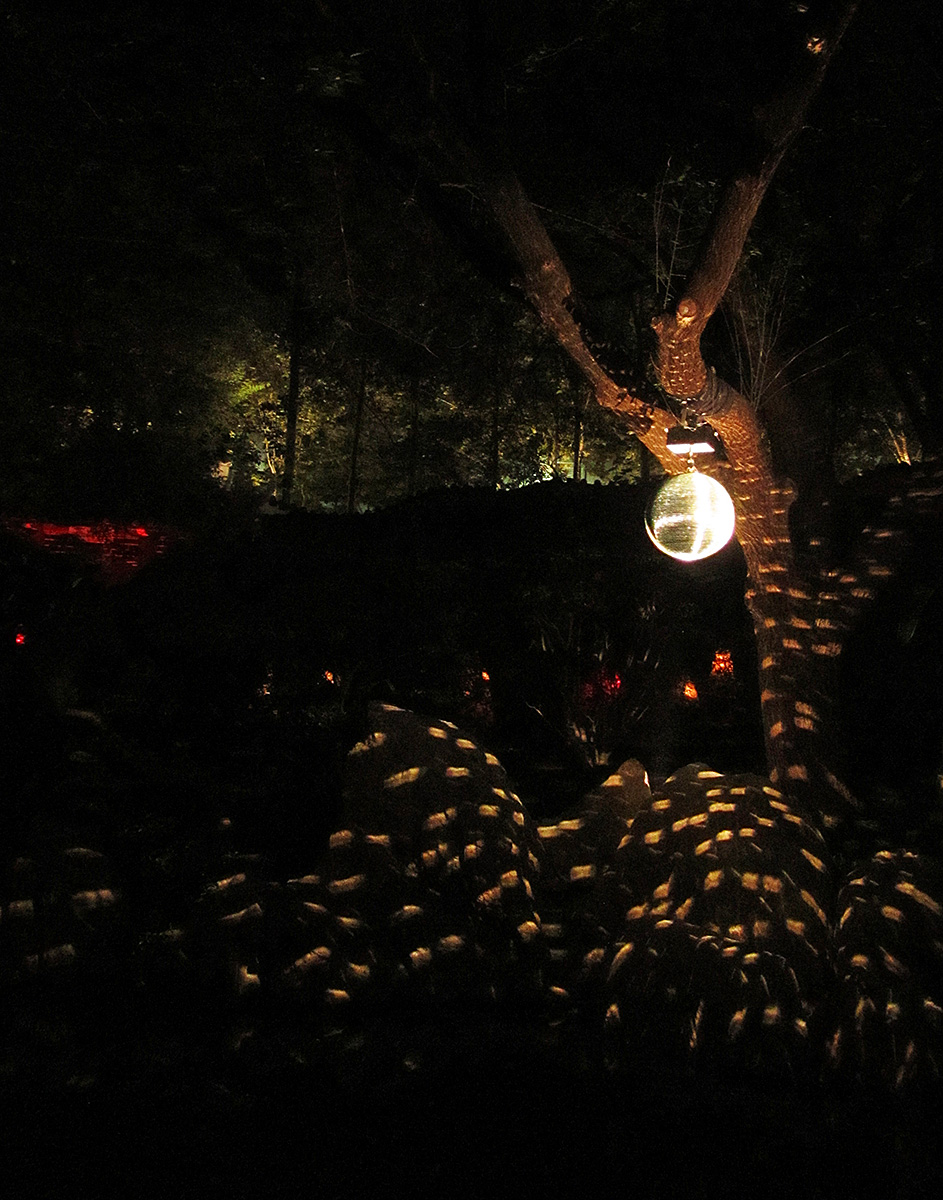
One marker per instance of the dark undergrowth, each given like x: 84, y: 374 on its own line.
x: 229, y: 680
x: 498, y: 1114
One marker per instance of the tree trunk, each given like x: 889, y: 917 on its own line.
x: 801, y: 614
x: 494, y: 450
x: 294, y: 373
x: 412, y: 465
x: 355, y: 441
x: 578, y: 405
x: 802, y: 604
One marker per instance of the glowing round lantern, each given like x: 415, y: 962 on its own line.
x: 690, y: 517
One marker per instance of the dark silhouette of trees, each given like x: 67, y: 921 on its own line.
x: 219, y: 227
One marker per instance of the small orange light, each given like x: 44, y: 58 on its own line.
x: 687, y: 690
x: 723, y: 663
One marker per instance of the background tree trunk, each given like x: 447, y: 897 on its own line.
x: 412, y: 465
x: 578, y: 406
x: 494, y: 443
x: 294, y: 374
x: 355, y: 437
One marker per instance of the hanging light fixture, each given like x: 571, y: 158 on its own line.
x: 685, y: 440
x: 691, y: 516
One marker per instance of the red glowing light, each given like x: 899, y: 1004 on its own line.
x: 599, y: 687
x: 19, y: 638
x: 116, y: 550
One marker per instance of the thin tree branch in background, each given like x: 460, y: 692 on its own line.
x: 680, y: 366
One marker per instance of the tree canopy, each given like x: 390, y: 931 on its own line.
x: 174, y: 179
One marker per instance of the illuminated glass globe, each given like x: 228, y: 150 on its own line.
x: 690, y: 517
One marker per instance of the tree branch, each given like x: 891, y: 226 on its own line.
x: 443, y: 154
x: 545, y: 281
x: 680, y: 366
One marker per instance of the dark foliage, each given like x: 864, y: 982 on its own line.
x: 207, y: 671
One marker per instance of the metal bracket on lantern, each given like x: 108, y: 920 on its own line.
x: 692, y: 436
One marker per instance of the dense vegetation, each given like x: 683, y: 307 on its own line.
x: 193, y: 202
